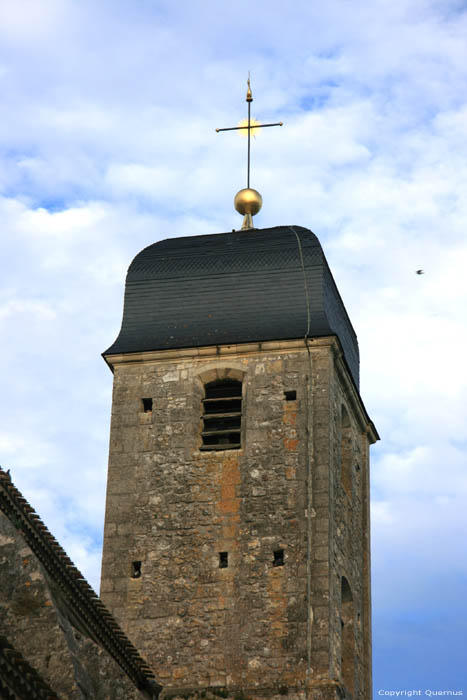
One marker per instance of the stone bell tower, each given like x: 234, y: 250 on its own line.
x: 237, y: 538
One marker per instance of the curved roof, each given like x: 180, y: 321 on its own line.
x: 228, y: 288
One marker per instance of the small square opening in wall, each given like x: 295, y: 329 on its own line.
x: 278, y: 557
x: 147, y: 405
x: 223, y: 560
x: 135, y: 569
x: 290, y: 395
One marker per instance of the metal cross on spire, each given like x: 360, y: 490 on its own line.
x: 248, y: 201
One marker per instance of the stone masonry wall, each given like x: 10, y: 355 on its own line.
x: 350, y: 544
x: 248, y: 627
x: 31, y: 617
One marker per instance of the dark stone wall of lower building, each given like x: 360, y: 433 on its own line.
x: 32, y: 619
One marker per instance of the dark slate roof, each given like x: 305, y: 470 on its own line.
x: 228, y: 288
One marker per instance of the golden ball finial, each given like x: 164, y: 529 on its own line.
x: 248, y: 201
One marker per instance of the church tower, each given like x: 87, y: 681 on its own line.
x: 237, y: 539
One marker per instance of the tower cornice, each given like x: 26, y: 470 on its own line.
x: 221, y: 353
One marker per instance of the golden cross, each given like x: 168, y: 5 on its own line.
x: 249, y: 126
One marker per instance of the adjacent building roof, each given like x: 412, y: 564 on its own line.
x: 18, y: 679
x: 228, y: 288
x: 79, y: 603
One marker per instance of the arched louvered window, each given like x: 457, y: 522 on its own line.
x: 222, y: 415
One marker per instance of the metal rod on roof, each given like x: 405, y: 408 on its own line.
x: 249, y: 141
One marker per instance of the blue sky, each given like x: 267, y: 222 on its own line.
x: 108, y: 143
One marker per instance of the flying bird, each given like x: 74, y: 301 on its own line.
x: 419, y: 272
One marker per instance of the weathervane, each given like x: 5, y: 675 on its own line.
x: 248, y: 201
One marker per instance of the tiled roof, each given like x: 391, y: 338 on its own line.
x: 229, y: 288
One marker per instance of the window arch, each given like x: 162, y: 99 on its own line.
x: 222, y: 415
x: 347, y: 637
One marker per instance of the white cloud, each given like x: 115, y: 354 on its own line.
x: 12, y: 307
x: 31, y: 20
x: 436, y: 469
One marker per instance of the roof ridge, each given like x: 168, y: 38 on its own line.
x: 250, y: 233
